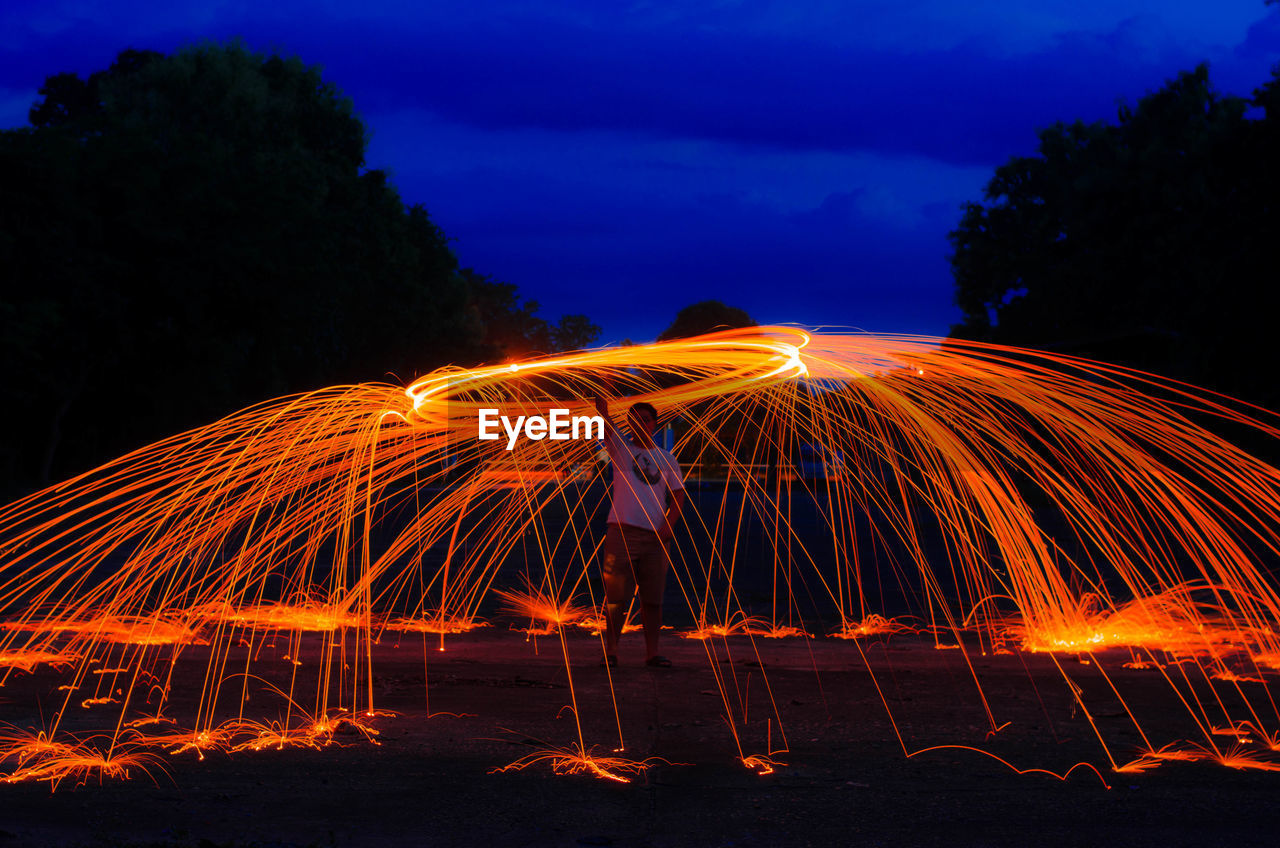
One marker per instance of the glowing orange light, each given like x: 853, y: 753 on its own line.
x: 575, y: 761
x: 330, y: 517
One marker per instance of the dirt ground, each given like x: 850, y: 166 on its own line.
x: 841, y: 776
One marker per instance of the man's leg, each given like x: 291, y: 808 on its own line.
x: 613, y: 621
x: 619, y: 584
x: 651, y: 566
x: 651, y: 617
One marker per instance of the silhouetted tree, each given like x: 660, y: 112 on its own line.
x: 510, y: 327
x: 705, y: 317
x: 181, y: 235
x: 1149, y: 241
x: 574, y: 332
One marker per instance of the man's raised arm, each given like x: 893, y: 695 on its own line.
x: 612, y: 435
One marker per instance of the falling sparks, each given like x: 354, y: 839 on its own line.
x: 579, y: 761
x: 297, y: 532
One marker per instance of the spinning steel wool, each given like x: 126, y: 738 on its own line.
x: 1012, y: 501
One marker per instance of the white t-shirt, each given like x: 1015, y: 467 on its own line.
x: 641, y: 479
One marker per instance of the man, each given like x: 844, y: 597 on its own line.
x: 641, y: 516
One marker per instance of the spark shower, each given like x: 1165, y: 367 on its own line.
x: 1020, y: 501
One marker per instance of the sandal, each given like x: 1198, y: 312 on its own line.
x: 610, y: 661
x: 658, y: 661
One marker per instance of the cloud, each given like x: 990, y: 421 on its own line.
x: 630, y: 228
x: 971, y: 101
x: 804, y: 161
x: 968, y: 89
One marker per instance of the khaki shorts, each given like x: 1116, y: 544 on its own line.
x: 633, y: 557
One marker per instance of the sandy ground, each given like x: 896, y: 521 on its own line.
x: 842, y: 777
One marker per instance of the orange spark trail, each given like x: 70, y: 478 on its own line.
x: 1015, y: 500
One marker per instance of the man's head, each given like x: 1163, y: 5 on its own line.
x: 642, y: 418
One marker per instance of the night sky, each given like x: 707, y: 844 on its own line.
x: 801, y: 160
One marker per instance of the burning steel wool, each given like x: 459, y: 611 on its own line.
x: 1018, y: 502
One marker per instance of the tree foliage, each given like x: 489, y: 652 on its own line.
x: 186, y: 234
x: 511, y: 327
x: 1150, y: 240
x: 705, y: 317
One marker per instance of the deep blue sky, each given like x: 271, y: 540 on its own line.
x: 802, y: 160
